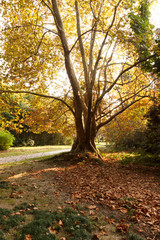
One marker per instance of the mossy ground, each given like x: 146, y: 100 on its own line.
x: 43, y: 224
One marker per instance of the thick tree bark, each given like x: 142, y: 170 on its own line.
x: 85, y: 141
x: 84, y: 145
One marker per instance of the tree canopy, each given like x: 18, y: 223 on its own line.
x: 104, y: 47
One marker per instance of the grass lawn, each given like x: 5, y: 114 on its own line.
x: 15, y: 151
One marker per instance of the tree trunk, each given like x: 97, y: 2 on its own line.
x: 83, y: 146
x: 85, y: 142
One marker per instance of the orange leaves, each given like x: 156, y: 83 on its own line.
x: 28, y: 237
x: 123, y: 227
x: 91, y: 207
x: 124, y: 210
x: 52, y: 230
x: 60, y: 223
x: 111, y: 221
x: 131, y: 192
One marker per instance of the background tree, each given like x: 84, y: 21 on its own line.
x: 11, y: 111
x: 153, y: 128
x: 29, y: 118
x: 94, y: 41
x: 127, y: 131
x: 143, y: 31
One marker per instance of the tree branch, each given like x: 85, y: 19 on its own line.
x: 28, y: 25
x: 92, y: 42
x: 37, y: 47
x: 47, y: 5
x: 79, y: 38
x: 84, y: 62
x: 78, y: 96
x: 120, y: 74
x: 122, y: 102
x: 103, y: 43
x: 39, y: 95
x: 117, y: 113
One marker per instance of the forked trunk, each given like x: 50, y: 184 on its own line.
x: 85, y: 145
x: 85, y: 140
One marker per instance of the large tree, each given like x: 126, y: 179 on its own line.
x: 101, y: 44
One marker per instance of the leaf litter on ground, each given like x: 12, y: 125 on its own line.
x: 132, y: 192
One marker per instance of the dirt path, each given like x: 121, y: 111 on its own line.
x: 30, y: 156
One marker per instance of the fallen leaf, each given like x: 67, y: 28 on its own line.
x: 123, y: 210
x: 122, y: 227
x: 91, y: 212
x: 16, y: 213
x: 60, y: 207
x: 92, y: 207
x: 60, y: 223
x: 111, y: 221
x: 28, y: 237
x: 52, y: 230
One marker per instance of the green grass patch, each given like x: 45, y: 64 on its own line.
x: 141, y: 158
x: 9, y: 219
x: 4, y: 185
x: 15, y: 151
x: 27, y: 161
x: 118, y: 156
x: 44, y: 225
x: 135, y: 237
x: 2, y: 235
x: 127, y: 158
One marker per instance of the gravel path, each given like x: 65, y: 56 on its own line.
x: 28, y: 156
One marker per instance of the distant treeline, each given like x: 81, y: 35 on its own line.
x: 41, y: 139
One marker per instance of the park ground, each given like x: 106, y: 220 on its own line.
x: 119, y: 195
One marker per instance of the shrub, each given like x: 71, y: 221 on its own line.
x: 153, y: 129
x: 132, y: 140
x: 6, y: 140
x: 30, y: 142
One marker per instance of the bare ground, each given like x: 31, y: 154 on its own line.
x: 118, y: 199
